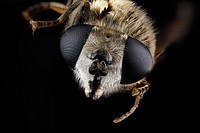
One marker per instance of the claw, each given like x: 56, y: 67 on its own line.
x: 34, y: 25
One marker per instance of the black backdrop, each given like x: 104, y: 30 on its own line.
x: 39, y: 93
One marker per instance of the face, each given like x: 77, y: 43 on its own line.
x: 98, y: 68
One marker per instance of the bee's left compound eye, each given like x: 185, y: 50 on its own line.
x: 137, y: 61
x: 72, y: 42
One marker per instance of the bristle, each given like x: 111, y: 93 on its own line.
x: 97, y: 6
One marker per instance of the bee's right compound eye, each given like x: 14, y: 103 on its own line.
x: 137, y: 61
x: 72, y: 42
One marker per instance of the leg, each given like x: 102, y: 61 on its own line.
x: 137, y: 89
x: 55, y: 6
x: 61, y: 19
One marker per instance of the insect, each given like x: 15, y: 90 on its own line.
x: 110, y: 45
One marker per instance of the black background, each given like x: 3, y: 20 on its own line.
x: 39, y: 93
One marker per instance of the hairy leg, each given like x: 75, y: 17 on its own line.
x: 58, y: 7
x: 137, y: 89
x: 37, y: 8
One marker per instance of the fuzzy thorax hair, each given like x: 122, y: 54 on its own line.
x: 125, y: 16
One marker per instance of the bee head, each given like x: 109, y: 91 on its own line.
x: 106, y: 48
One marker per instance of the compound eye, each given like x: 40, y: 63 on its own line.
x: 137, y: 61
x: 72, y: 42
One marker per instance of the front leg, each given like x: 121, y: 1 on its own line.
x: 29, y: 13
x: 137, y: 89
x: 63, y: 17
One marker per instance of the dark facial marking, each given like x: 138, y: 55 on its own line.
x: 94, y: 67
x: 95, y: 84
x: 98, y: 68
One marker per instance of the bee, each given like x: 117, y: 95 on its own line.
x: 110, y: 45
